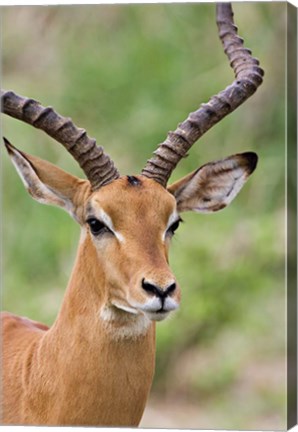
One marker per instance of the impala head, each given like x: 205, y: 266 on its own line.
x: 128, y: 221
x: 131, y: 222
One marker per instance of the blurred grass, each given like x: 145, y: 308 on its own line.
x: 128, y: 74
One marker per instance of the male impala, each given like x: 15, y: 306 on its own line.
x: 95, y: 365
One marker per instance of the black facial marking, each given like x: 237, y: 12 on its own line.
x: 134, y: 181
x: 252, y: 160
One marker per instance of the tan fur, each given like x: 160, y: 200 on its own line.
x: 85, y: 370
x: 95, y: 365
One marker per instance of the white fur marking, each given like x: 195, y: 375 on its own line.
x: 125, y: 326
x: 237, y: 185
x: 154, y: 304
x: 125, y: 308
x: 14, y: 159
x: 33, y: 184
x: 106, y: 219
x: 173, y: 218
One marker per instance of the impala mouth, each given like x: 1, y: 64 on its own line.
x: 159, y: 315
x: 156, y: 309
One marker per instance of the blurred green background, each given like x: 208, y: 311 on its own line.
x: 128, y: 74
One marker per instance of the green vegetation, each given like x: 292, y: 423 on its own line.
x: 128, y: 74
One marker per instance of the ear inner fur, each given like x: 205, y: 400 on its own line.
x: 214, y: 185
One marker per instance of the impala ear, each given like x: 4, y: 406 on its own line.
x: 45, y: 182
x: 213, y: 186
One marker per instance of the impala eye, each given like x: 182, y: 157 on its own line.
x: 97, y: 227
x: 171, y: 230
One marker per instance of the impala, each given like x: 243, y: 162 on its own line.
x: 95, y: 364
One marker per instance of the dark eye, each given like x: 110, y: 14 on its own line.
x: 174, y: 227
x: 97, y: 227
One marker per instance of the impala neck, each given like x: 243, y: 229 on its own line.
x: 112, y: 371
x: 86, y: 298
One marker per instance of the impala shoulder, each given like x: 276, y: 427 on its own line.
x: 11, y: 323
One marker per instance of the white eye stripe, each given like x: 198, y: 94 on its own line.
x: 173, y: 218
x: 106, y: 219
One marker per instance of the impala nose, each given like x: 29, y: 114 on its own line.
x: 162, y: 293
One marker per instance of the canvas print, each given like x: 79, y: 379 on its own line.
x: 157, y: 297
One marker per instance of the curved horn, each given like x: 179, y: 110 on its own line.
x: 248, y: 77
x: 97, y: 166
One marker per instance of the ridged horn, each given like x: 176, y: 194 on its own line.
x: 97, y: 166
x: 248, y: 77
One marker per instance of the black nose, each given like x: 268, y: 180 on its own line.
x: 158, y: 291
